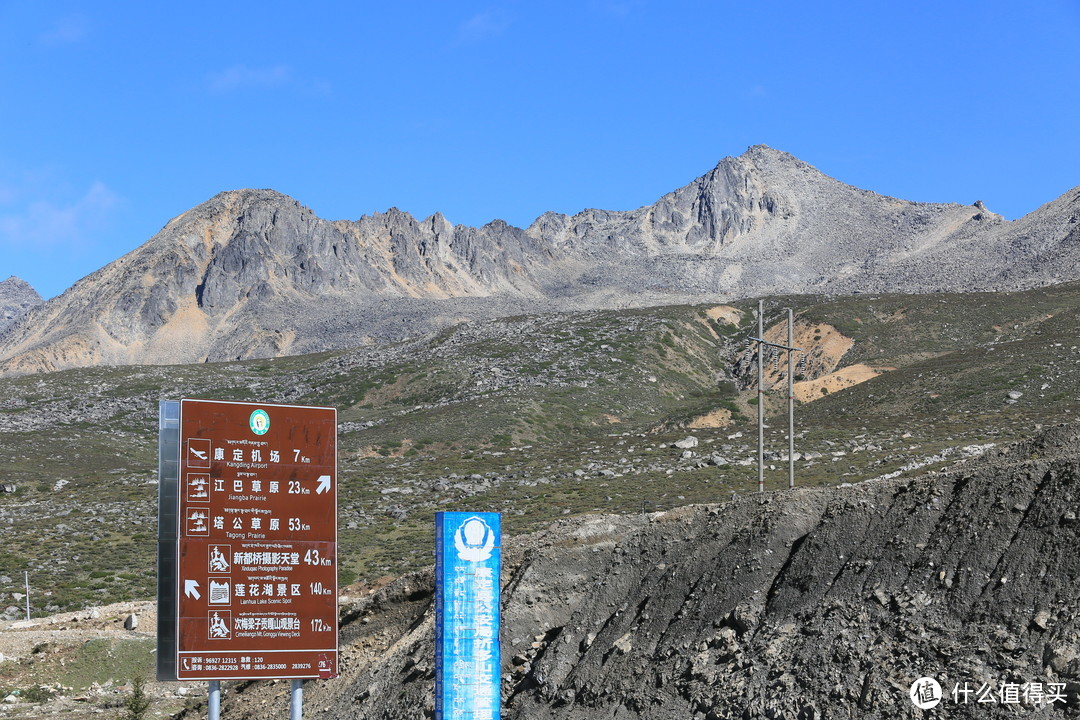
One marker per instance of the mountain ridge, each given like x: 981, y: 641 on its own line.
x: 223, y: 280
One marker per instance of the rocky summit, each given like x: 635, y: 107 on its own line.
x: 253, y: 273
x: 16, y: 299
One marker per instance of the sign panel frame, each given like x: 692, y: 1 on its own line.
x: 468, y: 665
x: 247, y: 546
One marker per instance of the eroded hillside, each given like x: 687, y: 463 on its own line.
x: 815, y: 603
x: 598, y: 412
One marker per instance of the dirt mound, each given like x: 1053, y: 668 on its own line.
x: 727, y: 313
x: 18, y: 638
x: 715, y: 419
x: 810, y: 390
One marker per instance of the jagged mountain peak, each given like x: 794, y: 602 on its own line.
x: 242, y: 197
x: 233, y: 201
x: 766, y: 153
x: 17, y: 297
x: 766, y: 159
x: 253, y: 272
x: 16, y: 286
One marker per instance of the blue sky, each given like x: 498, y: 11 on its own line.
x: 117, y: 116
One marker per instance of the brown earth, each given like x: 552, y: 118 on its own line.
x: 716, y: 419
x: 727, y: 313
x: 810, y: 390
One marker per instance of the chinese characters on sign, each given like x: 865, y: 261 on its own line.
x: 467, y: 660
x: 256, y: 572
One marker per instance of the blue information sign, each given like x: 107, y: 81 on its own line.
x: 468, y: 676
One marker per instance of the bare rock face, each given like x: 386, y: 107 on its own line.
x: 253, y: 273
x: 16, y: 299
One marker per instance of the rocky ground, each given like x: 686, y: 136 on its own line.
x: 813, y: 603
x: 816, y: 603
x: 81, y: 664
x: 598, y: 413
x: 600, y: 417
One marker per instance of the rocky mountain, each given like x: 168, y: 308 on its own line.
x: 253, y: 273
x: 16, y: 299
x: 813, y: 603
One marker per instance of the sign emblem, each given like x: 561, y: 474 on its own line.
x: 259, y: 422
x: 474, y: 540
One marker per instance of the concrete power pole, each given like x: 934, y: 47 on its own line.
x: 761, y: 396
x: 762, y: 343
x: 790, y: 399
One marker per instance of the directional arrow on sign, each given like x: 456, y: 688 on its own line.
x: 191, y: 588
x: 324, y: 485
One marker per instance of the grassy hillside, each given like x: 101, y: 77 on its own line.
x: 536, y: 417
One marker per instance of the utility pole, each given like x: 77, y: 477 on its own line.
x: 760, y: 398
x: 762, y: 343
x: 790, y: 400
x: 26, y: 579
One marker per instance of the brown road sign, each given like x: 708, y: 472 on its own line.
x: 256, y: 546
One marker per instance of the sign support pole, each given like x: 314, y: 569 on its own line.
x: 296, y: 700
x: 26, y: 577
x: 214, y: 701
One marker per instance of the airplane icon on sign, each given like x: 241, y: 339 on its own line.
x: 200, y: 452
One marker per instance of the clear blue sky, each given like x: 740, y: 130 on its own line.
x: 117, y: 116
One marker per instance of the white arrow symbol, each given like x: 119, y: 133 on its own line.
x: 324, y: 485
x: 191, y: 587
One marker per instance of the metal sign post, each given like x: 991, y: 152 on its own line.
x: 468, y: 677
x: 296, y: 700
x: 247, y: 566
x: 213, y: 701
